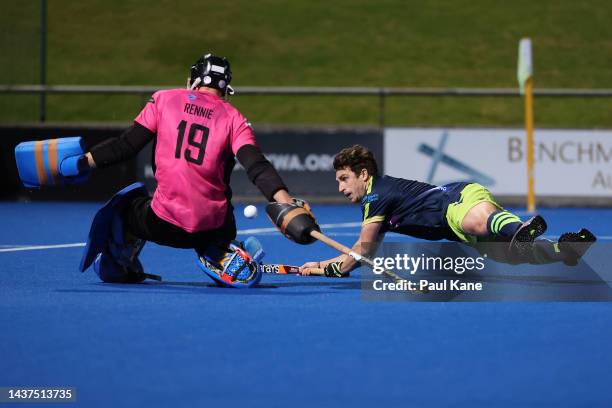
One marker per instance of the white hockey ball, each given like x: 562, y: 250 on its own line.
x: 250, y: 211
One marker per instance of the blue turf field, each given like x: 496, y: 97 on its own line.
x: 294, y: 342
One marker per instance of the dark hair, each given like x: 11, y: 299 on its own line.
x: 356, y: 158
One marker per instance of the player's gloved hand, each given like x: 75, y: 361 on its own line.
x: 302, y: 203
x: 74, y: 166
x: 305, y: 205
x: 53, y: 161
x: 334, y: 270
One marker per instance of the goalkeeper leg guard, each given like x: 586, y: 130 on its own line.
x: 100, y: 232
x: 110, y: 271
x: 118, y: 262
x: 112, y: 250
x: 233, y: 267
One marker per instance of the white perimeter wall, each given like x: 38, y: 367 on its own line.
x: 567, y: 162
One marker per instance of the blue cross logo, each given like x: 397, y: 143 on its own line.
x: 438, y: 156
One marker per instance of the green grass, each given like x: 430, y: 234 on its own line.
x: 343, y: 43
x: 19, y: 57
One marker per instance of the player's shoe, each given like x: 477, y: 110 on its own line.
x: 573, y: 245
x: 522, y: 241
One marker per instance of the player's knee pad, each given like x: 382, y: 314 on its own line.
x: 234, y: 266
x: 110, y: 271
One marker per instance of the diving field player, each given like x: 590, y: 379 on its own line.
x: 461, y: 212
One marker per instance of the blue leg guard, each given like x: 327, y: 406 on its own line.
x: 254, y: 248
x: 115, y: 258
x: 235, y: 267
x: 125, y: 251
x: 111, y: 271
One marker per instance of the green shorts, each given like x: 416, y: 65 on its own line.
x: 471, y: 195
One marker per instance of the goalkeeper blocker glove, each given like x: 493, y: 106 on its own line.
x: 52, y: 161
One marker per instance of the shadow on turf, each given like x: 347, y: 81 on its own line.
x: 211, y: 288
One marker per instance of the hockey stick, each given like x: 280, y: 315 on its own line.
x: 358, y: 257
x: 282, y: 269
x: 254, y: 248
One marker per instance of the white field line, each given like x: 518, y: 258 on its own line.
x: 254, y: 231
x: 37, y: 247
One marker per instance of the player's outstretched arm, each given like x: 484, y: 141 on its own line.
x: 342, y: 265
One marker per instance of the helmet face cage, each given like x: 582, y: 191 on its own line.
x: 211, y: 71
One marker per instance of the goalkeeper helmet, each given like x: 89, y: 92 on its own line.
x: 213, y: 72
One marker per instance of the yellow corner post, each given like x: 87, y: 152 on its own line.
x: 525, y: 79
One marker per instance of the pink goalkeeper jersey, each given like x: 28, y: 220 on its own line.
x: 198, y: 135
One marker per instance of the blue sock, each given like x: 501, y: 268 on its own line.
x: 503, y: 223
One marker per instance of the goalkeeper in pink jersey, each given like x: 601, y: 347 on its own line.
x: 197, y: 135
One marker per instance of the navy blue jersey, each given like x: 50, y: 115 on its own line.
x: 410, y: 207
